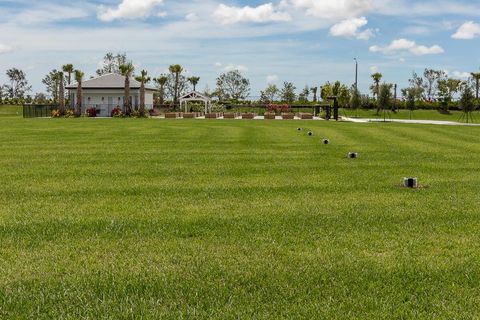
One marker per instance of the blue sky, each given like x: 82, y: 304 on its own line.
x: 307, y: 42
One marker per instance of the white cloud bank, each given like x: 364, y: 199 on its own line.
x: 271, y: 79
x: 334, y: 10
x: 468, y: 30
x: 350, y: 28
x: 128, y: 9
x: 461, y: 75
x: 5, y: 49
x: 404, y: 45
x: 264, y: 13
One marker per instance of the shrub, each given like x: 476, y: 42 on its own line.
x: 56, y: 113
x: 197, y: 107
x: 69, y: 114
x: 91, y: 112
x: 117, y: 113
x: 217, y: 108
x: 278, y: 108
x: 154, y: 112
x: 136, y: 114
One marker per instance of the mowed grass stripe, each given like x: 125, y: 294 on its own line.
x: 128, y: 218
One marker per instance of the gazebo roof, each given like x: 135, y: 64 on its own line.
x: 195, y: 96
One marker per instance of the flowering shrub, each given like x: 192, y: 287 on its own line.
x: 278, y: 108
x: 91, y: 112
x: 117, y: 113
x: 56, y: 114
x: 136, y: 114
x: 69, y: 114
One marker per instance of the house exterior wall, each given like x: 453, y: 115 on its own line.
x: 105, y: 100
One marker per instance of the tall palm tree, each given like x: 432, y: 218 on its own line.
x: 194, y: 81
x: 79, y: 78
x: 127, y: 70
x: 176, y: 70
x: 377, y: 77
x: 161, y: 82
x: 476, y: 77
x: 61, y: 93
x: 55, y: 75
x: 314, y: 91
x: 143, y: 78
x: 68, y: 69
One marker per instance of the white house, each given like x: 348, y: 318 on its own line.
x: 106, y: 92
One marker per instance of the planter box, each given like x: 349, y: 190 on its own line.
x: 172, y: 115
x: 269, y: 116
x: 229, y: 115
x: 288, y: 116
x: 189, y: 115
x: 248, y: 116
x: 306, y: 116
x: 212, y: 116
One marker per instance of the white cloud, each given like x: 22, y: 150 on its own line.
x: 373, y: 69
x: 272, y: 79
x: 50, y: 13
x: 261, y: 14
x: 232, y: 67
x: 128, y: 9
x: 461, y: 75
x: 191, y: 17
x: 350, y: 28
x: 404, y: 45
x: 334, y: 10
x: 468, y: 30
x: 162, y: 14
x: 5, y: 49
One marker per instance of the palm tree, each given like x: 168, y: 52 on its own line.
x: 314, y: 91
x: 161, y: 81
x: 194, y: 81
x: 68, y: 69
x: 61, y: 93
x: 79, y: 78
x: 143, y: 78
x: 476, y: 77
x: 377, y: 77
x: 176, y: 70
x: 127, y: 70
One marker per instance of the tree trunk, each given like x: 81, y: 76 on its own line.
x: 175, y: 99
x: 142, y: 99
x: 477, y: 80
x: 126, y: 98
x: 61, y: 96
x: 79, y: 100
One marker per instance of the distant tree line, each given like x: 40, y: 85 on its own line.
x: 434, y: 89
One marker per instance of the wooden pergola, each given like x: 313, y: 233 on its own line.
x: 195, y: 96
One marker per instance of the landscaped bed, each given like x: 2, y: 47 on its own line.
x: 140, y: 218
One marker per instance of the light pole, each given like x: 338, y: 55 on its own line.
x: 356, y: 74
x: 356, y: 86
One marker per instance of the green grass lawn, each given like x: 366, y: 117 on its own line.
x: 405, y: 114
x: 10, y: 111
x: 151, y: 219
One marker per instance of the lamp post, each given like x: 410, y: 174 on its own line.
x: 356, y: 74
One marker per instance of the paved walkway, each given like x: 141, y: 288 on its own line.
x: 436, y: 122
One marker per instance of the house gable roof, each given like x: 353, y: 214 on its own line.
x: 109, y: 81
